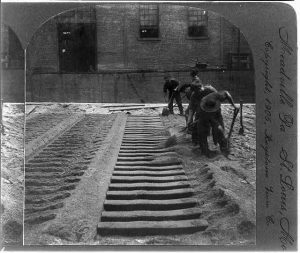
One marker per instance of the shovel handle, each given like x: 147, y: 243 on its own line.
x: 241, y: 131
x: 235, y: 113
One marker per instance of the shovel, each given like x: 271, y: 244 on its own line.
x: 235, y: 113
x: 174, y: 104
x: 241, y: 131
x: 226, y: 152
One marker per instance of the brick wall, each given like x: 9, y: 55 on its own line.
x: 110, y: 37
x: 12, y: 85
x: 12, y: 66
x: 120, y: 48
x: 129, y: 87
x: 230, y: 41
x: 119, y: 45
x: 42, y: 52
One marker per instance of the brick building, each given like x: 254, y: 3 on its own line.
x: 120, y: 52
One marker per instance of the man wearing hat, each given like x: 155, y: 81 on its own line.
x: 199, y: 92
x: 172, y: 85
x: 189, y: 90
x: 210, y: 116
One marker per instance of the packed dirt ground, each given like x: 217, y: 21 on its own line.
x: 12, y: 174
x: 225, y: 187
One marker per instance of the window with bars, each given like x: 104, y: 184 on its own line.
x: 77, y: 47
x: 149, y: 21
x: 197, y: 23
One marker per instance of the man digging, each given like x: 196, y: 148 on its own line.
x: 172, y: 85
x: 206, y: 104
x: 210, y: 116
x: 198, y: 92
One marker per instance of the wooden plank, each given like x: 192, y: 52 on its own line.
x: 130, y: 159
x: 140, y: 228
x: 145, y: 204
x: 165, y: 167
x: 136, y: 107
x: 134, y: 173
x: 139, y: 145
x: 151, y: 164
x: 183, y: 214
x: 121, y: 105
x: 137, y: 179
x: 150, y: 195
x: 148, y: 186
x: 149, y: 151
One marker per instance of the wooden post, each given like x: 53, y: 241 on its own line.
x: 1, y: 110
x: 241, y: 131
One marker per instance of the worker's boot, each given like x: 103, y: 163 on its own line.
x: 181, y: 110
x: 171, y: 110
x: 225, y: 147
x: 170, y: 106
x: 195, y: 137
x: 204, y: 147
x: 186, y: 116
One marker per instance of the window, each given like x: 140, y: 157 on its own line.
x: 197, y: 23
x: 239, y: 62
x: 77, y: 47
x: 149, y: 27
x: 12, y: 54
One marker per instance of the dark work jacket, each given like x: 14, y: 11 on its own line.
x: 198, y: 95
x: 170, y: 85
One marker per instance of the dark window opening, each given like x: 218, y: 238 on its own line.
x: 197, y: 23
x: 239, y: 62
x: 149, y: 27
x: 77, y: 47
x: 12, y: 53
